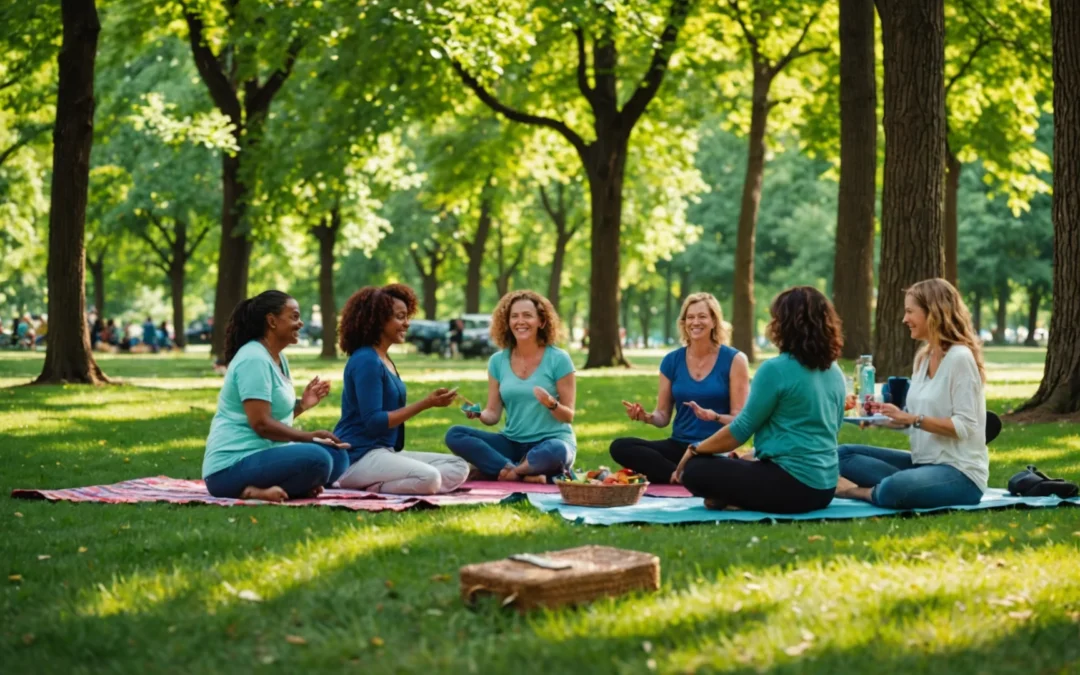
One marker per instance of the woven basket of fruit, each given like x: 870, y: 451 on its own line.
x: 604, y: 488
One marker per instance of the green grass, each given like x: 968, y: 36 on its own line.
x: 155, y: 588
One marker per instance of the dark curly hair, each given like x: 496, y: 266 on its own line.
x: 248, y: 320
x: 367, y: 312
x: 548, y: 334
x: 805, y: 325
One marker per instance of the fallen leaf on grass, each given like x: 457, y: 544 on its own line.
x: 815, y: 537
x: 295, y: 640
x: 28, y: 639
x: 44, y: 557
x: 254, y: 521
x: 440, y: 577
x: 388, y: 583
x: 249, y: 595
x: 377, y: 641
x: 18, y: 515
x: 17, y: 578
x: 83, y: 549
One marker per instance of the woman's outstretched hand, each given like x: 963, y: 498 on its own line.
x: 546, y: 399
x: 676, y: 476
x: 701, y: 413
x: 636, y: 412
x: 314, y: 393
x: 441, y: 397
x: 326, y: 438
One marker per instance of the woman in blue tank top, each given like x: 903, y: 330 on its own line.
x: 704, y: 382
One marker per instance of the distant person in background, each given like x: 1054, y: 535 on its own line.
x: 97, y: 329
x: 457, y: 334
x: 164, y: 341
x: 42, y: 329
x: 26, y: 332
x: 14, y: 337
x: 110, y: 336
x: 149, y: 335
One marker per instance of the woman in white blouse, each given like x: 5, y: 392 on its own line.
x: 945, y: 415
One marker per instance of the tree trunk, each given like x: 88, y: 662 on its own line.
x: 68, y: 357
x: 742, y: 319
x: 555, y: 280
x: 97, y: 273
x: 684, y: 287
x: 177, y: 280
x: 1059, y: 392
x: 563, y: 235
x: 570, y: 317
x: 953, y: 167
x: 1002, y: 313
x: 644, y: 308
x: 605, y: 172
x: 853, y: 267
x: 913, y: 35
x: 474, y: 251
x: 1035, y: 294
x: 430, y: 286
x: 234, y: 251
x: 624, y: 320
x: 327, y: 233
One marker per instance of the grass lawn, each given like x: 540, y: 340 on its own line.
x: 156, y: 588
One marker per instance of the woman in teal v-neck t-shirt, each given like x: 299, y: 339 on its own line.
x: 253, y: 451
x: 533, y: 380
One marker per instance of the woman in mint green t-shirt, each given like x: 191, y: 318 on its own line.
x: 794, y: 412
x: 534, y: 381
x: 253, y: 451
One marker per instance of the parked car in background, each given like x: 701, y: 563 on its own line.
x: 476, y: 342
x: 429, y: 337
x: 199, y: 332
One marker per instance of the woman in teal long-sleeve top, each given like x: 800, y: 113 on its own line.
x: 794, y: 412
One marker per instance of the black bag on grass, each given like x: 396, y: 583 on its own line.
x: 1034, y: 483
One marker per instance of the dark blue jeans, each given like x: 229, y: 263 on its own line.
x: 490, y: 452
x: 901, y: 484
x: 297, y: 468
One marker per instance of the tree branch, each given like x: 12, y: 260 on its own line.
x: 751, y: 39
x: 418, y: 261
x: 794, y: 52
x: 165, y: 258
x: 547, y: 205
x: 516, y: 115
x: 582, y: 65
x: 654, y: 76
x: 195, y: 244
x: 34, y: 132
x: 979, y: 44
x: 210, y: 70
x: 161, y: 228
x: 262, y: 97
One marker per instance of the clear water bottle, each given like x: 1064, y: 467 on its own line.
x: 867, y: 376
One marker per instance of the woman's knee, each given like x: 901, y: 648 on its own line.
x: 620, y: 448
x: 427, y: 480
x: 454, y: 471
x: 845, y: 451
x: 456, y: 434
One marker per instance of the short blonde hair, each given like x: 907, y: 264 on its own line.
x: 718, y: 335
x: 948, y: 321
x: 550, y: 332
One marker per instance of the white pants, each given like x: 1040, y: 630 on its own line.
x: 405, y: 472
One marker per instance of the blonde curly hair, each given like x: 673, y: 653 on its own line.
x: 718, y: 335
x: 550, y: 331
x: 948, y: 320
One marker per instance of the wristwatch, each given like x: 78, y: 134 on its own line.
x: 918, y: 422
x: 692, y: 449
x: 555, y: 404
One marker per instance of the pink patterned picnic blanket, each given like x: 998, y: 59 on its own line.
x: 181, y: 491
x: 654, y: 490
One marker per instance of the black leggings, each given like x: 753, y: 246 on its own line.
x: 753, y: 486
x: 656, y: 459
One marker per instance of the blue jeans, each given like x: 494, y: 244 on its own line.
x: 297, y: 468
x: 490, y: 452
x: 900, y: 484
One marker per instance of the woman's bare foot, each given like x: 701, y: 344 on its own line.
x: 535, y: 479
x: 509, y: 473
x: 270, y: 494
x: 714, y: 504
x: 844, y: 487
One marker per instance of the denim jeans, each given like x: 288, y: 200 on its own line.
x: 490, y: 452
x: 297, y: 468
x: 900, y: 484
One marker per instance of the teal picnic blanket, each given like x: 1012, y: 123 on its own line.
x: 667, y: 511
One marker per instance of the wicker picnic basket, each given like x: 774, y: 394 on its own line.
x: 595, y: 572
x: 591, y: 494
